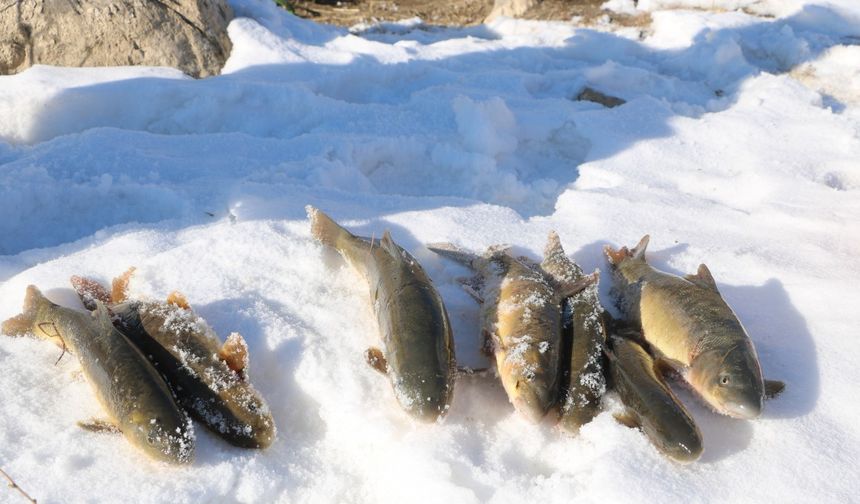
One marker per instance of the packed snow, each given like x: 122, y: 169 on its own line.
x: 738, y: 146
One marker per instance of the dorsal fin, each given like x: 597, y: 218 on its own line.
x: 615, y: 256
x: 703, y: 278
x: 389, y: 246
x: 102, y: 315
x: 638, y: 251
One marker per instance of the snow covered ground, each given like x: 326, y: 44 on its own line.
x: 739, y: 146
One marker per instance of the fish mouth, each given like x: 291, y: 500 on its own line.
x: 744, y: 410
x: 532, y: 410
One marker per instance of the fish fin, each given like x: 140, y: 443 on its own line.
x: 528, y: 261
x: 488, y: 343
x: 23, y: 323
x: 89, y: 290
x: 473, y: 287
x: 119, y: 286
x: 664, y: 368
x: 555, y: 260
x: 324, y: 229
x: 234, y: 352
x: 703, y: 278
x: 626, y: 419
x: 102, y: 315
x: 454, y: 253
x: 773, y: 388
x: 18, y: 325
x: 177, y: 299
x: 387, y: 244
x: 638, y: 252
x: 502, y: 248
x: 568, y: 288
x: 464, y: 370
x: 376, y: 359
x: 100, y: 426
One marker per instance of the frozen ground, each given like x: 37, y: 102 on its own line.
x: 739, y: 146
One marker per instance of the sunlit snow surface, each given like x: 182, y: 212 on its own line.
x: 739, y: 146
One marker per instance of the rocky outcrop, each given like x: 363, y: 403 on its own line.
x: 190, y: 35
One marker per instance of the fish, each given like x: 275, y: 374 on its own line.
x: 521, y: 317
x: 650, y: 403
x: 417, y: 351
x: 129, y: 389
x: 583, y: 336
x: 691, y: 328
x: 208, y: 379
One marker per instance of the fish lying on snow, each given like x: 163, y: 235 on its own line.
x: 417, y: 345
x: 128, y: 387
x: 208, y: 379
x: 692, y: 329
x: 651, y: 404
x: 521, y: 322
x: 584, y: 335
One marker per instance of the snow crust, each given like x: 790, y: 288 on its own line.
x: 739, y: 146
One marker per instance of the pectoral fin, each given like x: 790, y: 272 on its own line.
x: 463, y: 370
x: 99, y: 425
x: 626, y: 419
x: 773, y: 388
x: 703, y: 278
x: 376, y: 359
x: 570, y: 288
x: 234, y: 352
x: 473, y: 287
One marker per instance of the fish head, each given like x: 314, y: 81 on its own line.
x: 682, y: 443
x: 253, y: 414
x: 160, y: 437
x: 730, y: 382
x: 424, y: 397
x: 530, y: 393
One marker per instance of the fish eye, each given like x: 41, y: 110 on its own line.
x: 724, y: 380
x: 252, y: 407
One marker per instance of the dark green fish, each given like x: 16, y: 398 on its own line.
x: 520, y: 322
x: 208, y: 379
x: 584, y: 335
x: 651, y: 404
x: 691, y: 328
x: 128, y: 387
x: 417, y: 345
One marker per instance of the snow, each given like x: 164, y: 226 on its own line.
x: 739, y: 146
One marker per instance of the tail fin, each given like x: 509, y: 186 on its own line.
x: 616, y: 256
x: 454, y: 253
x: 90, y: 291
x: 119, y: 287
x: 23, y: 323
x: 324, y: 229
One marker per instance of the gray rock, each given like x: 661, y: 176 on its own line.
x: 593, y: 95
x: 190, y: 35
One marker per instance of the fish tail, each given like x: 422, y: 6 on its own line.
x: 615, y: 256
x: 119, y: 286
x: 23, y: 322
x: 454, y: 253
x: 89, y: 291
x: 324, y: 229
